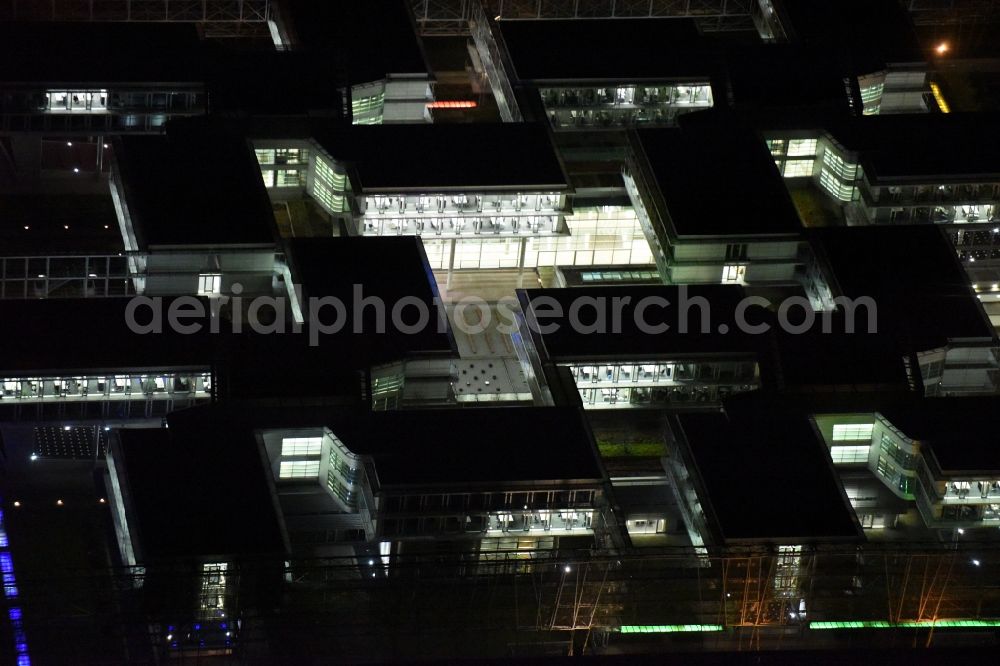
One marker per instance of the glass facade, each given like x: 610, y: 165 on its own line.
x: 68, y: 101
x: 871, y: 88
x: 503, y: 214
x: 801, y: 147
x: 274, y: 163
x: 329, y: 187
x: 171, y: 385
x: 301, y: 446
x: 849, y: 455
x: 597, y: 236
x: 837, y: 176
x: 657, y: 383
x: 798, y: 168
x: 897, y: 462
x: 624, y: 105
x: 489, y: 514
x: 368, y: 109
x: 66, y: 276
x: 298, y: 469
x: 852, y: 432
x: 594, y: 277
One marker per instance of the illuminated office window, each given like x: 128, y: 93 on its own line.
x: 289, y: 178
x: 265, y: 156
x: 209, y: 284
x: 80, y: 101
x: 301, y: 446
x: 836, y: 187
x: 852, y: 432
x: 299, y: 469
x: 801, y: 147
x: 291, y: 156
x: 839, y: 166
x: 268, y: 177
x: 847, y: 455
x: 797, y: 168
x: 734, y: 273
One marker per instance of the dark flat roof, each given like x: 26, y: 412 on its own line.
x: 98, y: 53
x: 936, y: 146
x: 285, y: 366
x: 810, y: 78
x: 454, y: 446
x: 608, y: 49
x: 199, y: 492
x: 390, y: 269
x: 922, y: 294
x: 92, y: 334
x: 873, y: 32
x: 431, y: 157
x: 474, y: 446
x: 279, y: 83
x: 840, y: 361
x: 566, y: 344
x: 718, y: 179
x: 767, y: 477
x: 199, y: 184
x: 961, y: 432
x: 372, y: 38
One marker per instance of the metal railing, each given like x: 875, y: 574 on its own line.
x: 66, y: 276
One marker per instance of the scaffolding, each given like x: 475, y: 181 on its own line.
x: 452, y: 17
x: 220, y: 18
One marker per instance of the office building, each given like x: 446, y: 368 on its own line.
x: 493, y: 329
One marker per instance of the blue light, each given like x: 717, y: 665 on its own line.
x: 170, y: 627
x: 197, y: 627
x: 10, y: 591
x: 223, y: 625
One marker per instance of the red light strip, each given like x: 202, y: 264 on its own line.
x: 452, y: 104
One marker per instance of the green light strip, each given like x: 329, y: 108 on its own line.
x: 668, y: 628
x: 882, y: 624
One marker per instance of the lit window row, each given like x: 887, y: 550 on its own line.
x: 848, y: 455
x: 853, y: 432
x: 93, y: 101
x: 834, y: 186
x: 798, y: 168
x: 299, y: 469
x: 284, y: 178
x: 801, y: 147
x: 301, y: 446
x: 839, y: 166
x: 267, y: 156
x: 98, y: 388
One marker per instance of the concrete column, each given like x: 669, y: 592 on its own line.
x: 451, y: 262
x: 520, y: 261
